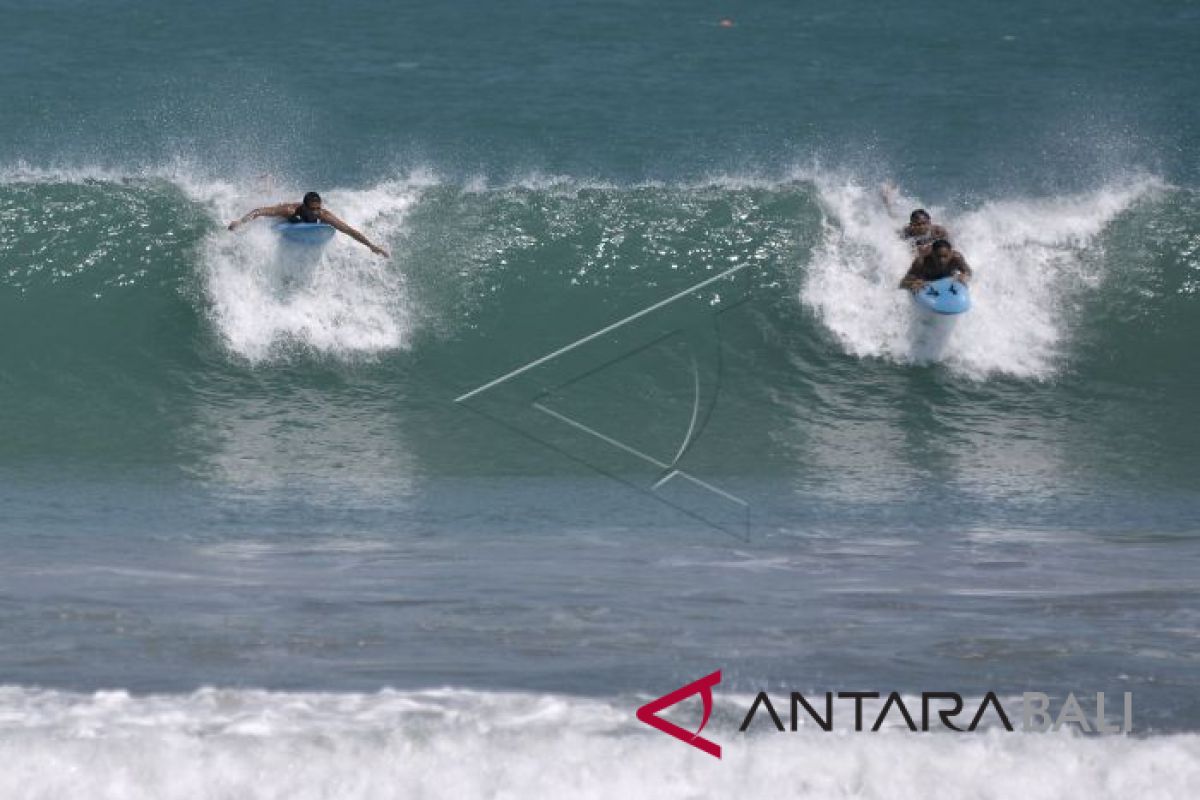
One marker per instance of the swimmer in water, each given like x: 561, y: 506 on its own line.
x: 920, y: 232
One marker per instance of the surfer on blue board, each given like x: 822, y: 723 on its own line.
x: 942, y: 261
x: 309, y: 210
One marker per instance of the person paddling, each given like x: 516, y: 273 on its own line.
x: 943, y: 261
x: 309, y: 210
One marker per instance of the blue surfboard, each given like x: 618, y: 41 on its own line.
x: 944, y: 296
x: 309, y: 234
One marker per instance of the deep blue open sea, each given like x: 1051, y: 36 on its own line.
x: 634, y: 398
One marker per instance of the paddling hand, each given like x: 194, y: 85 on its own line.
x: 379, y: 251
x: 233, y: 226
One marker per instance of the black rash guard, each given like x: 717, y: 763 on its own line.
x: 304, y: 214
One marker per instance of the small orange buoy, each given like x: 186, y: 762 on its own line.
x: 726, y: 23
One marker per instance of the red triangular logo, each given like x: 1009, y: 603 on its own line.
x: 703, y: 687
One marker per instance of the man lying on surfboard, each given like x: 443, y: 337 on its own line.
x: 309, y: 210
x: 943, y: 261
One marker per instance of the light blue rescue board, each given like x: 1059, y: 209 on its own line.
x: 944, y: 296
x: 309, y: 234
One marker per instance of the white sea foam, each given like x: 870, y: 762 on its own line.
x: 250, y: 744
x: 1029, y: 273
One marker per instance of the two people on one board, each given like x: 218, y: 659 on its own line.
x: 935, y: 258
x: 310, y: 210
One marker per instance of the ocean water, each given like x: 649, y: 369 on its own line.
x: 634, y: 399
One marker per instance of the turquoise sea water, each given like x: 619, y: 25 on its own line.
x: 501, y: 472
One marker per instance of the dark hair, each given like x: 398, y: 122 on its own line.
x: 309, y: 197
x: 940, y: 244
x: 920, y: 212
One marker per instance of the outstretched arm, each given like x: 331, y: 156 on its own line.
x: 888, y: 192
x: 912, y: 281
x: 332, y: 219
x: 281, y: 210
x: 962, y: 267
